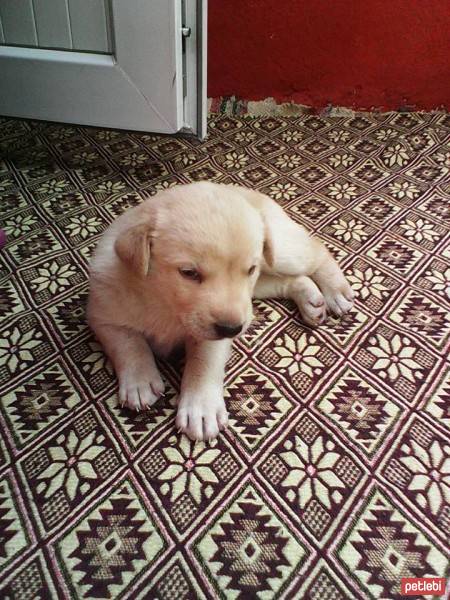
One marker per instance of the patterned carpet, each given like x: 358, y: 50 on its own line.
x: 333, y: 481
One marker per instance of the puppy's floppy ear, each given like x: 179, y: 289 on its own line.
x: 133, y: 247
x: 262, y: 204
x: 268, y: 245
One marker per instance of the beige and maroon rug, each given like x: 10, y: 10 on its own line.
x: 333, y: 481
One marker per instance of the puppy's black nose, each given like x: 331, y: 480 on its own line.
x: 227, y: 330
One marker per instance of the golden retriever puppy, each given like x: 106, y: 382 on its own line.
x: 182, y: 269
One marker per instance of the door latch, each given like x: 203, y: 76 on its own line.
x: 186, y: 32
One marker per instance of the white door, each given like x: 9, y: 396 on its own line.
x: 127, y: 64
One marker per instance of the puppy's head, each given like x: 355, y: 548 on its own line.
x: 201, y: 253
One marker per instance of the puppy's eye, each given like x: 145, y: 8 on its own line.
x: 192, y: 274
x: 252, y: 270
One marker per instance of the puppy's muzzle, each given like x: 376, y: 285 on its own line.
x: 227, y: 330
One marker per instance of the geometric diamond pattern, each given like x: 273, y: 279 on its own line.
x: 420, y: 314
x: 345, y: 329
x: 34, y: 405
x: 249, y: 550
x: 256, y: 406
x: 111, y: 546
x: 69, y: 314
x: 360, y: 410
x: 97, y: 501
x: 395, y: 255
x: 383, y: 546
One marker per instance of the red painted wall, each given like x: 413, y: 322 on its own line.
x: 356, y: 53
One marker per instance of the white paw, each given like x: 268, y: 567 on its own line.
x: 309, y: 300
x: 313, y: 309
x: 202, y: 413
x: 139, y: 389
x: 339, y: 300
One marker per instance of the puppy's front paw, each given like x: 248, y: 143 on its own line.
x: 140, y: 388
x: 202, y: 413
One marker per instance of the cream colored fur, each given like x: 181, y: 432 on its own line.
x: 145, y: 295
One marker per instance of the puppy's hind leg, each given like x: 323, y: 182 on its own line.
x: 336, y: 290
x: 297, y: 254
x: 301, y: 289
x: 140, y: 383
